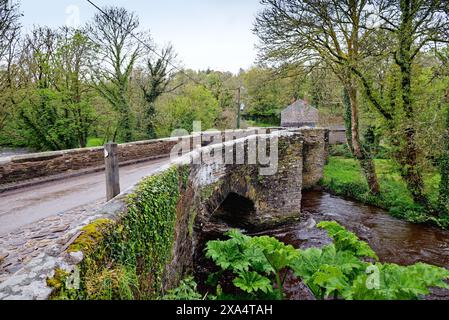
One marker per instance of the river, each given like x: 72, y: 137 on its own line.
x: 394, y: 240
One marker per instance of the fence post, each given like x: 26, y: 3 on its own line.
x: 112, y: 170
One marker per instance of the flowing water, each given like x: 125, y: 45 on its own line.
x: 395, y: 241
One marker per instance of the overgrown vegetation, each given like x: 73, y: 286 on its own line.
x: 391, y: 60
x: 257, y: 262
x: 346, y: 269
x: 187, y: 290
x: 126, y: 260
x: 342, y: 177
x: 444, y: 170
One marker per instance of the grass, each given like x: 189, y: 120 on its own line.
x: 94, y: 142
x: 258, y: 124
x: 342, y: 176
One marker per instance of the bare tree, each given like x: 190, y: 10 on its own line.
x: 115, y: 32
x: 9, y: 43
x: 322, y: 32
x: 9, y: 24
x: 38, y: 57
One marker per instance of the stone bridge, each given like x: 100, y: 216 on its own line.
x: 211, y: 194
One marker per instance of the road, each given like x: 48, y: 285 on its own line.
x: 25, y: 206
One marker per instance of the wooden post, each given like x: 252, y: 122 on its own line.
x: 112, y: 170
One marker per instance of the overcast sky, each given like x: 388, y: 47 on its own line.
x: 212, y: 34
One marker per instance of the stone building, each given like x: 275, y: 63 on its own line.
x: 299, y: 114
x: 337, y: 134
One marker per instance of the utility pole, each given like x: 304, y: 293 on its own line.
x: 239, y: 106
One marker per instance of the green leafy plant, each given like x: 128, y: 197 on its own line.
x: 342, y: 270
x: 251, y: 281
x: 258, y: 262
x: 187, y: 290
x: 399, y: 283
x: 347, y: 241
x: 346, y: 269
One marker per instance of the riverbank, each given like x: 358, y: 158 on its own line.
x: 342, y: 177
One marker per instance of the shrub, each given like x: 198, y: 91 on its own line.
x: 346, y: 269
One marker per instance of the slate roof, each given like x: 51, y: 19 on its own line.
x: 299, y: 114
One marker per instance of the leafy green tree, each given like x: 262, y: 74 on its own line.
x: 72, y: 61
x: 9, y: 39
x: 55, y: 110
x: 444, y: 169
x: 325, y: 32
x: 43, y: 117
x: 196, y: 103
x: 268, y: 93
x: 412, y: 26
x: 44, y: 121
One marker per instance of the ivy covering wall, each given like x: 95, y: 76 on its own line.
x: 126, y: 260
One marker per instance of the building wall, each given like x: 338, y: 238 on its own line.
x: 337, y: 136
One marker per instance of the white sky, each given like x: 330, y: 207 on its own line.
x: 212, y: 34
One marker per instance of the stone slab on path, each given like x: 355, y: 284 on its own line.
x: 20, y: 247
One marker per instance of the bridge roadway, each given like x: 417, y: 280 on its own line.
x: 25, y: 206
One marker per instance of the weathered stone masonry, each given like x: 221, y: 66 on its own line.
x: 276, y: 199
x: 14, y: 170
x: 26, y: 167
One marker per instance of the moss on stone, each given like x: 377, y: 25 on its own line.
x: 59, y: 285
x: 127, y: 259
x: 208, y: 191
x: 116, y: 283
x: 92, y: 234
x: 58, y: 280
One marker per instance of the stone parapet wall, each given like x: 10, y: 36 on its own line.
x: 337, y: 136
x: 276, y: 198
x: 46, y: 164
x: 21, y: 168
x: 315, y: 155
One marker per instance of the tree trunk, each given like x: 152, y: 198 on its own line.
x: 408, y: 155
x: 366, y: 161
x: 348, y: 119
x: 444, y: 170
x: 410, y: 171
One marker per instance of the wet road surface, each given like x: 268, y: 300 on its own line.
x: 22, y: 207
